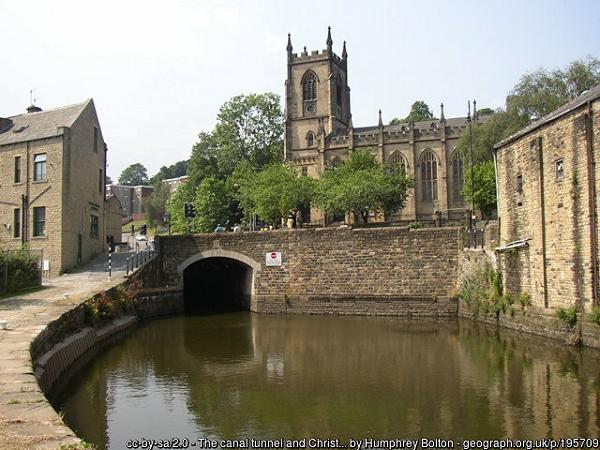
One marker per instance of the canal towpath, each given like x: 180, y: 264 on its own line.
x: 27, y: 420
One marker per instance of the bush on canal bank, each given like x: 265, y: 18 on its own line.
x: 113, y: 303
x: 19, y: 269
x: 483, y: 291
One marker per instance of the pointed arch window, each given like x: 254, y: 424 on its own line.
x: 458, y: 175
x: 429, y: 176
x: 310, y: 139
x: 338, y: 90
x: 396, y: 163
x: 309, y: 93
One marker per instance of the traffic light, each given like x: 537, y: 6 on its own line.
x: 189, y: 210
x: 143, y: 230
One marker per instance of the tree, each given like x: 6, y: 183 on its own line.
x: 203, y: 162
x: 541, y: 92
x: 480, y: 187
x: 419, y: 111
x: 155, y: 205
x: 134, y: 175
x: 182, y: 195
x: 213, y: 201
x: 274, y: 191
x: 107, y: 180
x: 178, y: 169
x: 535, y: 95
x: 360, y: 185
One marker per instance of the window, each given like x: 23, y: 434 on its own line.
x: 338, y: 90
x: 100, y: 181
x: 309, y: 93
x: 39, y: 221
x: 17, y: 169
x: 429, y: 175
x: 310, y: 139
x: 396, y: 163
x: 520, y: 184
x: 304, y: 171
x: 39, y: 167
x: 559, y: 169
x: 458, y: 177
x: 96, y: 139
x: 17, y: 223
x: 93, y: 226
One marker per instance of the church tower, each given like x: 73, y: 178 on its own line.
x: 317, y: 100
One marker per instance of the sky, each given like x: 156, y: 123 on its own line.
x: 158, y: 71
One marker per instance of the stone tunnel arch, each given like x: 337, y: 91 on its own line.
x: 217, y: 280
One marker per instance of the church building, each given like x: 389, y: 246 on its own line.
x: 319, y: 133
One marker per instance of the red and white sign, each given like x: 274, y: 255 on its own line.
x: 273, y: 259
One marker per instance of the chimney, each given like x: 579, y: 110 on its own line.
x: 33, y: 108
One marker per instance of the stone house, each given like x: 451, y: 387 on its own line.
x: 52, y: 167
x: 131, y: 198
x: 319, y: 132
x: 114, y: 216
x: 548, y: 206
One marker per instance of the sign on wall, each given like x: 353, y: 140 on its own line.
x: 273, y: 259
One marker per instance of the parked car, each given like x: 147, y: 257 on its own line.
x: 140, y: 238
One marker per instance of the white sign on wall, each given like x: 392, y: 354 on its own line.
x: 273, y: 259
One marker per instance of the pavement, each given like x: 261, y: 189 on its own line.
x: 27, y: 420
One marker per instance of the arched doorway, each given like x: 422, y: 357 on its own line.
x: 218, y: 280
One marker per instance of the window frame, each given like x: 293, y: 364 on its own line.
x: 458, y: 175
x: 39, y: 226
x: 520, y: 183
x: 429, y: 176
x: 94, y: 226
x: 17, y: 169
x: 40, y: 167
x: 559, y: 162
x: 17, y: 222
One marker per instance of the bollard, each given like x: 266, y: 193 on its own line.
x: 127, y: 265
x: 109, y: 262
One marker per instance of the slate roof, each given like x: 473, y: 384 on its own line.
x: 41, y: 124
x: 590, y: 95
x: 422, y: 125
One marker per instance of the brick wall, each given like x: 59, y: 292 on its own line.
x: 558, y: 205
x: 359, y: 271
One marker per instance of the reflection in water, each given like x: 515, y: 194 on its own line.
x: 245, y: 375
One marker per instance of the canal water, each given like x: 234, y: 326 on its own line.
x: 242, y: 376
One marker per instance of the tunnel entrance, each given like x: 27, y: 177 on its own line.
x: 217, y: 284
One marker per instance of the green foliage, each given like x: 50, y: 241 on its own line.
x: 175, y: 204
x: 249, y: 128
x: 595, y: 315
x: 535, y: 95
x: 484, y: 290
x: 176, y: 170
x: 524, y: 300
x: 360, y: 185
x: 541, y: 92
x: 155, y: 205
x: 215, y: 205
x: 567, y: 315
x: 110, y: 304
x: 414, y: 225
x: 273, y: 192
x: 480, y: 187
x: 134, y: 175
x: 22, y: 267
x: 419, y: 111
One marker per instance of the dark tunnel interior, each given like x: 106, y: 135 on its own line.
x: 217, y: 285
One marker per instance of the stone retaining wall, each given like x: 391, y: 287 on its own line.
x: 67, y: 338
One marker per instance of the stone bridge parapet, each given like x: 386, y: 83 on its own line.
x: 384, y: 271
